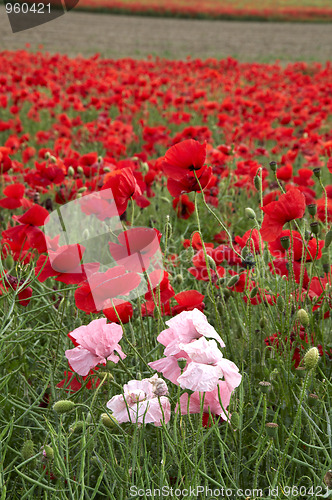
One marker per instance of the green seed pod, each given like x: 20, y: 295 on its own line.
x: 271, y: 429
x: 311, y: 358
x: 28, y: 450
x: 328, y: 239
x: 285, y: 242
x: 314, y: 226
x: 313, y: 399
x: 303, y: 317
x: 250, y: 213
x: 182, y: 363
x: 273, y: 166
x: 312, y: 209
x: 253, y: 292
x: 317, y: 172
x: 63, y: 406
x: 233, y: 281
x: 108, y: 421
x: 280, y: 303
x: 264, y: 386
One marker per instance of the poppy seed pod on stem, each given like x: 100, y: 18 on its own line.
x: 274, y: 166
x: 303, y: 317
x: 63, y: 406
x: 312, y: 209
x: 311, y: 358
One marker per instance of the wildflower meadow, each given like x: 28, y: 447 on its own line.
x: 166, y: 278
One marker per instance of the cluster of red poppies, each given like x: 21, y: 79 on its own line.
x: 55, y: 110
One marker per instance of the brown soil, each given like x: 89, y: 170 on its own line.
x: 124, y: 36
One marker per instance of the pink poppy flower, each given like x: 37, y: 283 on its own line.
x: 140, y: 403
x: 207, y: 365
x: 211, y: 401
x: 96, y: 344
x: 184, y: 328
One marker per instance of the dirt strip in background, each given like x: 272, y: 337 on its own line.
x: 137, y: 37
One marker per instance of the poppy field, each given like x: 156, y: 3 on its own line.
x: 166, y: 278
x: 262, y: 10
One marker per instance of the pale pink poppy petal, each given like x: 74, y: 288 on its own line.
x: 211, y: 401
x: 168, y: 367
x: 203, y: 351
x: 200, y: 377
x: 82, y: 361
x: 231, y: 373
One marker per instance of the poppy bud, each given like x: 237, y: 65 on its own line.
x: 316, y: 172
x: 303, y: 317
x: 82, y: 189
x: 312, y: 209
x: 182, y: 363
x: 314, y: 226
x: 211, y: 262
x: 273, y: 165
x: 235, y: 420
x: 9, y: 262
x: 63, y: 406
x: 271, y: 429
x: 47, y: 155
x: 178, y: 279
x: 28, y: 450
x: 264, y: 386
x: 233, y: 281
x: 262, y: 322
x: 250, y: 213
x: 107, y: 169
x: 77, y: 428
x: 108, y: 421
x: 328, y: 239
x: 311, y: 358
x: 253, y: 292
x: 100, y: 159
x: 257, y: 182
x: 80, y: 170
x: 280, y: 303
x: 285, y: 242
x: 71, y: 172
x: 48, y: 452
x: 52, y: 159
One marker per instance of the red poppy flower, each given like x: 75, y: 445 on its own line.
x: 14, y: 194
x: 124, y: 310
x: 290, y: 206
x: 27, y: 232
x: 277, y: 249
x: 96, y: 294
x: 5, y: 161
x: 184, y: 207
x: 64, y: 264
x: 136, y: 248
x: 24, y: 295
x: 71, y: 382
x: 183, y: 157
x: 124, y: 186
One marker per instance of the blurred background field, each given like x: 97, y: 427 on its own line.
x: 268, y: 10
